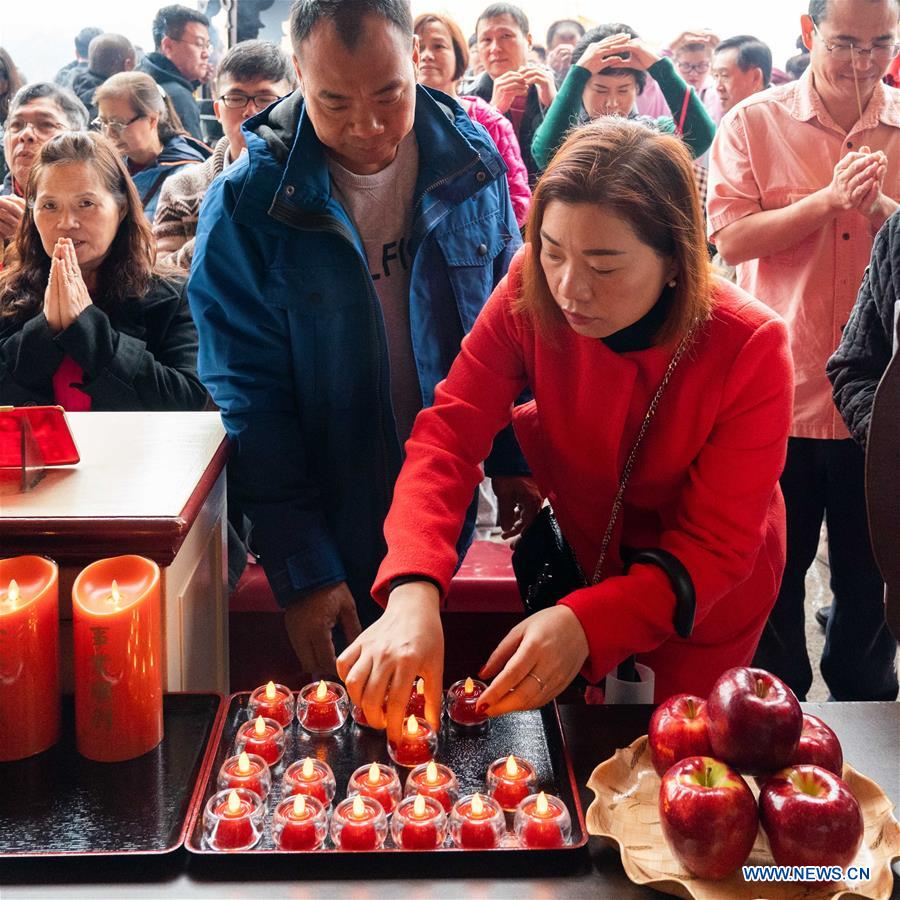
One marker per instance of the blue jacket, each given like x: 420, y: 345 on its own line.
x: 179, y: 150
x: 292, y: 342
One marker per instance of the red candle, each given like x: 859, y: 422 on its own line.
x: 310, y: 777
x: 379, y: 782
x: 358, y: 823
x: 299, y: 823
x: 272, y: 701
x: 323, y: 707
x: 477, y: 823
x: 264, y: 737
x: 233, y: 820
x: 542, y: 822
x: 118, y: 658
x: 29, y: 656
x: 419, y: 823
x: 245, y: 771
x: 510, y: 781
x: 418, y: 743
x: 462, y: 702
x: 416, y: 705
x: 434, y: 780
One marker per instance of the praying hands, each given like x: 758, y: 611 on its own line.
x: 66, y: 296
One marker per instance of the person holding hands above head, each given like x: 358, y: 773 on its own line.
x: 611, y: 69
x: 612, y: 318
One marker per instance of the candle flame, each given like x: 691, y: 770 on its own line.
x: 115, y: 596
x: 374, y: 773
x: 470, y: 686
x: 322, y: 691
x: 420, y: 686
x: 270, y: 691
x: 260, y: 727
x: 512, y: 768
x: 477, y: 805
x: 359, y: 807
x: 12, y: 594
x: 419, y: 806
x: 234, y: 803
x: 308, y: 768
x: 431, y: 773
x: 300, y: 805
x: 541, y: 806
x: 412, y: 725
x: 244, y: 764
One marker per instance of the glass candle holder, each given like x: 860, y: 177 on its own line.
x: 416, y: 704
x: 510, y: 780
x: 245, y: 770
x: 233, y: 819
x: 542, y: 822
x: 418, y: 743
x: 358, y: 716
x: 273, y: 701
x: 359, y: 823
x: 477, y: 823
x: 419, y: 823
x: 322, y: 707
x: 462, y: 702
x: 378, y: 781
x: 432, y: 779
x: 299, y: 823
x: 311, y: 777
x: 264, y: 737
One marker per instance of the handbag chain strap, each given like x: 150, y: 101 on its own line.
x: 629, y: 463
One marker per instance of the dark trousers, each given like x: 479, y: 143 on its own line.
x: 826, y: 478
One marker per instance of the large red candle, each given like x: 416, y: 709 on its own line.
x: 418, y: 743
x: 29, y: 656
x: 247, y: 771
x: 379, y: 782
x: 419, y: 823
x: 322, y: 707
x: 477, y: 823
x: 272, y: 701
x: 264, y: 737
x: 510, y: 780
x: 542, y: 822
x: 118, y: 658
x: 358, y: 823
x: 299, y: 823
x: 233, y: 820
x: 311, y: 777
x: 462, y: 703
x: 434, y: 780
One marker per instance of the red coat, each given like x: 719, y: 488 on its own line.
x: 704, y: 486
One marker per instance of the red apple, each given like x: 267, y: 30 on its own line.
x: 678, y: 729
x: 819, y: 746
x: 810, y: 817
x: 754, y: 720
x: 708, y: 816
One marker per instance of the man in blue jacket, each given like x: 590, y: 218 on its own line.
x: 337, y: 266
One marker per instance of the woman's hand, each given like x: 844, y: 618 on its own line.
x: 507, y: 87
x: 380, y: 666
x: 536, y: 661
x: 74, y: 298
x: 604, y: 54
x: 518, y: 502
x: 542, y: 78
x: 640, y: 54
x: 51, y: 296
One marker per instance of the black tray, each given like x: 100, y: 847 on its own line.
x: 535, y: 735
x: 60, y: 804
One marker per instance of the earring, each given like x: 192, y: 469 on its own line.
x: 672, y: 283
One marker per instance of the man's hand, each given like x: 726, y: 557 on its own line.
x: 12, y: 209
x: 560, y: 58
x: 542, y: 78
x: 379, y: 667
x: 507, y: 87
x: 536, y: 661
x: 518, y: 502
x: 854, y: 178
x: 309, y: 622
x: 697, y: 36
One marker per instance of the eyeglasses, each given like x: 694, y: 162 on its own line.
x: 846, y: 52
x: 699, y: 67
x: 200, y: 43
x: 113, y: 125
x: 240, y: 101
x: 44, y: 129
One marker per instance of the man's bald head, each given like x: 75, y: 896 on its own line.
x: 110, y: 54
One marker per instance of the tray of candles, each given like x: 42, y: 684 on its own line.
x: 59, y: 803
x: 302, y: 772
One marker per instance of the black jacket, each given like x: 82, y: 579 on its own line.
x: 181, y: 91
x: 531, y: 120
x: 141, y: 354
x: 868, y: 341
x: 84, y: 85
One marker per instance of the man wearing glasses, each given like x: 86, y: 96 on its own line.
x: 181, y: 60
x: 251, y: 77
x: 802, y: 176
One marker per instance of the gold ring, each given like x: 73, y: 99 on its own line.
x: 538, y: 680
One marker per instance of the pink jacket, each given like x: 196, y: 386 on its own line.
x: 501, y: 131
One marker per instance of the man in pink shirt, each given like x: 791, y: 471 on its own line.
x: 802, y: 176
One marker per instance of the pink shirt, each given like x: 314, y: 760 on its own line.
x: 771, y: 150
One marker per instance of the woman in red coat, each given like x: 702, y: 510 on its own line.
x: 589, y: 317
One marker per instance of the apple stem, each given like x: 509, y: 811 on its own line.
x: 707, y: 781
x: 760, y: 688
x: 690, y: 709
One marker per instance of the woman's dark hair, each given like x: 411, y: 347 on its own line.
x: 130, y: 260
x: 605, y: 31
x: 460, y: 48
x: 10, y: 74
x: 145, y: 97
x: 646, y: 178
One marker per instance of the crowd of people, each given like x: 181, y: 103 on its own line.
x: 633, y: 281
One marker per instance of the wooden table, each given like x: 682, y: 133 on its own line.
x: 148, y: 483
x: 869, y: 733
